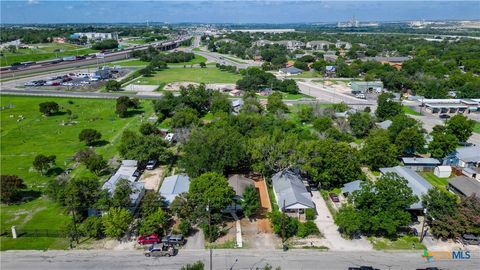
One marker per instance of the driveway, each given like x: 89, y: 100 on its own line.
x: 196, y: 241
x: 325, y: 224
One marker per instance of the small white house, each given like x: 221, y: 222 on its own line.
x: 442, y: 171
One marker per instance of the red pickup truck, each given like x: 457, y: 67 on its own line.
x: 148, y: 239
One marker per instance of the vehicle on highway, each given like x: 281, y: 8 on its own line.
x: 429, y: 268
x: 176, y: 239
x: 151, y: 164
x: 444, y: 116
x: 470, y: 239
x: 160, y: 250
x: 362, y: 96
x: 148, y: 239
x: 69, y: 58
x: 334, y: 197
x: 363, y: 268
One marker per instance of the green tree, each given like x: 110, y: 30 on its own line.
x: 151, y: 202
x: 306, y: 113
x: 399, y: 123
x: 213, y: 149
x: 113, y: 85
x: 93, y: 227
x: 378, y: 151
x: 89, y: 136
x: 250, y: 202
x: 387, y: 106
x: 275, y: 103
x: 121, y: 194
x: 461, y: 127
x: 180, y: 206
x: 220, y: 103
x: 348, y: 220
x: 203, y: 65
x: 81, y: 194
x: 442, y: 144
x: 439, y: 204
x: 43, y: 163
x: 360, y: 123
x: 148, y: 129
x: 300, y: 65
x: 410, y: 140
x: 212, y: 190
x: 186, y: 117
x: 138, y: 147
x: 321, y: 124
x: 49, y: 108
x: 155, y: 222
x: 116, y: 222
x: 10, y: 188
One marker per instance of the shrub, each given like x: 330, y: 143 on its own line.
x: 92, y: 227
x: 309, y: 214
x: 307, y: 228
x: 185, y: 227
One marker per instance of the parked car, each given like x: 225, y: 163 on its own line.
x: 363, y: 268
x: 148, y: 239
x: 444, y: 116
x: 177, y: 239
x: 334, y: 197
x: 158, y: 250
x: 429, y: 268
x: 470, y: 239
x: 151, y: 164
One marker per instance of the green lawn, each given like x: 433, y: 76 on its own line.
x: 130, y: 63
x: 21, y: 141
x: 296, y: 96
x: 197, y: 75
x: 308, y: 74
x: 434, y: 180
x: 43, y: 51
x: 197, y: 60
x: 408, y: 110
x: 402, y: 243
x: 233, y: 59
x: 476, y: 128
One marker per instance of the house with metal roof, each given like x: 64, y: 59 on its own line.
x: 129, y: 171
x: 290, y: 71
x: 417, y: 183
x: 290, y: 192
x: 420, y: 164
x: 464, y: 186
x: 350, y: 187
x: 173, y: 185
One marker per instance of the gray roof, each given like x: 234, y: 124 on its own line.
x: 174, y: 185
x: 290, y: 190
x: 291, y: 70
x: 469, y: 154
x: 239, y: 183
x: 420, y: 161
x: 126, y: 171
x: 417, y: 183
x: 467, y: 186
x: 351, y: 187
x: 385, y: 124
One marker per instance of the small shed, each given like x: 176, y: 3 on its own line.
x: 348, y: 188
x: 420, y: 164
x: 442, y: 171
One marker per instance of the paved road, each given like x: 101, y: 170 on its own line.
x: 223, y: 259
x: 221, y: 59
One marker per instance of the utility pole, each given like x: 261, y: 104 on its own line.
x: 75, y: 233
x: 210, y: 232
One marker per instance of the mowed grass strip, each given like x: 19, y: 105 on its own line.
x: 22, y: 140
x: 197, y: 75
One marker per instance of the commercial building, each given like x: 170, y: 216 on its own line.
x: 318, y: 45
x: 95, y: 36
x: 417, y: 183
x: 451, y: 105
x: 366, y: 87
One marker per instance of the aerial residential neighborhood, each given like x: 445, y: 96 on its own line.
x: 336, y: 137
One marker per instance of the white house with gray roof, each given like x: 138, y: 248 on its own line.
x: 173, y: 185
x: 417, y: 183
x: 465, y: 157
x: 290, y: 192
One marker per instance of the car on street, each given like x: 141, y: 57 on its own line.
x: 470, y: 239
x: 177, y: 239
x: 363, y: 268
x: 148, y: 239
x: 160, y: 250
x: 151, y: 164
x: 444, y: 116
x: 334, y: 197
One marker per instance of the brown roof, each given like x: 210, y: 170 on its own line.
x: 239, y: 183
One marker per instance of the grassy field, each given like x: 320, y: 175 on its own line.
x: 21, y: 141
x: 197, y: 75
x: 476, y: 128
x: 43, y: 51
x: 402, y: 243
x: 408, y: 110
x: 308, y: 74
x: 434, y: 180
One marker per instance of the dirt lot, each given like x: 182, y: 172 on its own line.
x: 254, y: 238
x: 152, y: 178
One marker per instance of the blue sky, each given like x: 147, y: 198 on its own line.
x: 78, y: 11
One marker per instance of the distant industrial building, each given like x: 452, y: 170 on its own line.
x: 451, y: 105
x: 95, y: 35
x: 366, y: 87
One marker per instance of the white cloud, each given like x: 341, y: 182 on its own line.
x: 33, y: 2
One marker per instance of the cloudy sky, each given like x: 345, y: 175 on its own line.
x: 78, y: 11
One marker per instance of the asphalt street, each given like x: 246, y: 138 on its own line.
x: 224, y: 259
